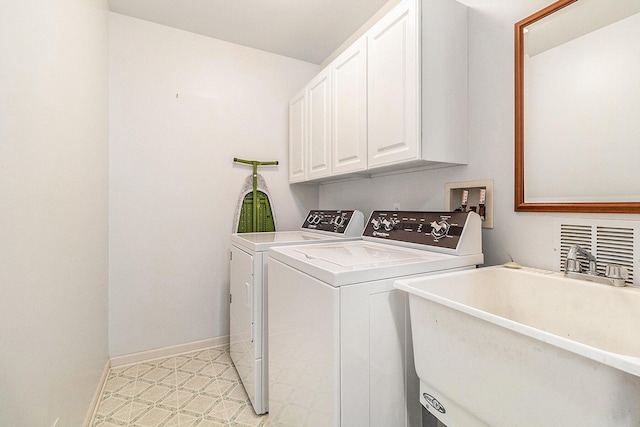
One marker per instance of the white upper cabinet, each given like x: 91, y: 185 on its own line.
x: 319, y: 125
x: 398, y: 97
x: 297, y: 138
x: 418, y: 86
x: 444, y: 72
x: 349, y: 119
x: 393, y: 87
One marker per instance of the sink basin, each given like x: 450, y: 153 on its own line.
x: 523, y: 347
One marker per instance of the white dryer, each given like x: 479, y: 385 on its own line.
x: 248, y: 288
x: 340, y: 350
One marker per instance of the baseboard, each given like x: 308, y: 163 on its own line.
x: 93, y: 407
x: 159, y: 353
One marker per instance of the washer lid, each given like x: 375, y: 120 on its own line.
x: 343, y: 263
x: 365, y: 254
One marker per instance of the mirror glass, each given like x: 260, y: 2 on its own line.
x: 578, y: 107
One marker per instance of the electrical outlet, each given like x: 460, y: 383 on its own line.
x: 396, y: 206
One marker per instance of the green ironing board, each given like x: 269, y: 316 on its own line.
x: 255, y: 216
x: 264, y: 215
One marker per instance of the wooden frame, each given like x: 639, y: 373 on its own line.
x: 520, y: 205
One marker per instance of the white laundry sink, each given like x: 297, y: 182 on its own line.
x: 523, y: 347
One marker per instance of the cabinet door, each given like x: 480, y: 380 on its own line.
x: 297, y: 138
x: 393, y: 87
x: 349, y: 119
x: 319, y: 125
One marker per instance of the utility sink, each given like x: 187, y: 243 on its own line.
x: 511, y: 347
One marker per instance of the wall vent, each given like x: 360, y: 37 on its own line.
x: 610, y: 241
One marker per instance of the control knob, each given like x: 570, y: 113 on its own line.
x: 315, y: 219
x: 439, y: 229
x: 389, y: 224
x: 376, y: 223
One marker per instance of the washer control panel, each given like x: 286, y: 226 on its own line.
x: 338, y: 221
x: 440, y: 229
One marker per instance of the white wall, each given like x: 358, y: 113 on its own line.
x: 182, y: 107
x: 53, y: 209
x: 527, y: 237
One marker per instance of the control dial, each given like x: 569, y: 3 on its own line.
x: 376, y: 222
x: 439, y: 229
x: 390, y: 223
x: 314, y: 219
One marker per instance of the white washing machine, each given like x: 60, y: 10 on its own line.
x: 248, y: 287
x: 340, y: 350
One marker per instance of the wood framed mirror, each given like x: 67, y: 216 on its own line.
x: 577, y: 136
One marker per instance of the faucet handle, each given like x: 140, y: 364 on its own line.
x: 617, y: 273
x: 573, y: 266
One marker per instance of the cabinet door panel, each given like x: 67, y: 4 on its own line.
x: 297, y: 138
x: 319, y: 122
x: 393, y: 88
x: 349, y: 124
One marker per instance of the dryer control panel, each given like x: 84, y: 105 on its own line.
x: 344, y: 222
x: 434, y: 229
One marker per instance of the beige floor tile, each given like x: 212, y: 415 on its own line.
x: 115, y: 383
x: 232, y: 407
x: 219, y: 387
x: 106, y: 424
x: 237, y: 392
x: 247, y: 417
x: 126, y: 371
x: 153, y: 417
x: 187, y: 420
x: 154, y: 394
x: 157, y: 374
x: 199, y: 389
x: 170, y: 400
x: 230, y: 374
x: 204, y: 355
x: 181, y: 378
x: 110, y: 405
x: 184, y: 397
x: 193, y: 366
x: 169, y: 363
x: 136, y: 410
x: 196, y: 383
x: 209, y: 423
x: 121, y: 415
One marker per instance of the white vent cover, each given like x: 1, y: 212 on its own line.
x: 610, y: 241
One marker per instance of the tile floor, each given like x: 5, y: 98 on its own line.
x: 197, y: 389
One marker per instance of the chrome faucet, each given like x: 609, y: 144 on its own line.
x: 573, y: 265
x: 615, y: 275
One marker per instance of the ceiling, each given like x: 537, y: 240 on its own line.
x: 309, y: 30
